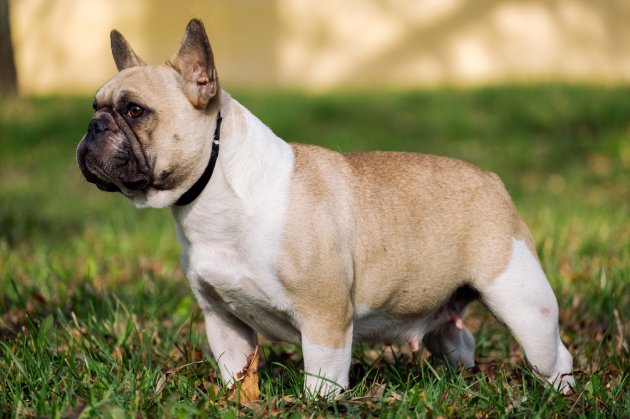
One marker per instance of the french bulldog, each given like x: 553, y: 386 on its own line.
x: 308, y: 245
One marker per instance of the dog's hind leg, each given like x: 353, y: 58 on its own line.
x: 447, y: 337
x: 522, y: 298
x: 453, y: 344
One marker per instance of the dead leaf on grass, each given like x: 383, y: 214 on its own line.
x: 245, y: 390
x: 394, y: 396
x: 211, y: 388
x: 161, y: 383
x: 374, y: 393
x: 15, y: 317
x: 279, y: 405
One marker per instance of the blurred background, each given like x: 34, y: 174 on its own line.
x: 62, y: 46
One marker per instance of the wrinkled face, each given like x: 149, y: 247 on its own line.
x: 149, y: 137
x: 145, y: 137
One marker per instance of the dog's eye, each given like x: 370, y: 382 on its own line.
x: 94, y: 104
x: 134, y: 111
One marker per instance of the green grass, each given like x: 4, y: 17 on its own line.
x: 97, y: 319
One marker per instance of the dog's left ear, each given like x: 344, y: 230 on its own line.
x: 195, y: 62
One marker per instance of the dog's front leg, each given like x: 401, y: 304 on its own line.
x: 327, y: 354
x: 231, y: 341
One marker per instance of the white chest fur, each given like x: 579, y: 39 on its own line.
x: 230, y: 236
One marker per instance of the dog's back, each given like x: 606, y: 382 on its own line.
x: 408, y: 228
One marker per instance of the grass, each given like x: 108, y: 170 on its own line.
x: 97, y: 319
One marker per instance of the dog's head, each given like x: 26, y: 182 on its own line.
x: 152, y: 127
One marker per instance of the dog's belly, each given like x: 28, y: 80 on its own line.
x: 379, y: 326
x: 375, y: 326
x: 385, y: 325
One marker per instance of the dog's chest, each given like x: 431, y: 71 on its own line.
x: 230, y: 247
x: 226, y: 280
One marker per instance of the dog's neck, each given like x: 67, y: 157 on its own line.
x: 252, y: 165
x: 191, y: 194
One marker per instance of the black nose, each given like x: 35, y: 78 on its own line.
x: 101, y: 122
x: 98, y: 125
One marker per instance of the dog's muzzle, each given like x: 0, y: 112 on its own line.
x: 110, y: 155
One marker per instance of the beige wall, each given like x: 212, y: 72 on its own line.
x: 62, y: 46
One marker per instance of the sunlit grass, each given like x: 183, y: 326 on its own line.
x: 95, y: 316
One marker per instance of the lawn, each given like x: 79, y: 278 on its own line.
x: 97, y: 319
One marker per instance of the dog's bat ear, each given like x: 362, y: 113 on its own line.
x: 195, y: 62
x: 124, y: 57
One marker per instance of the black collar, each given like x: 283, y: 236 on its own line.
x: 194, y: 191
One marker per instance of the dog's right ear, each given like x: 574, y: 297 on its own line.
x: 195, y: 62
x: 124, y: 57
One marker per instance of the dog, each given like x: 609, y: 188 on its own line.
x: 308, y: 245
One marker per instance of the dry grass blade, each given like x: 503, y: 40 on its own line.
x: 161, y: 383
x: 622, y: 343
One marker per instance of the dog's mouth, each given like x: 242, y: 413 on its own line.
x: 92, y: 171
x: 108, y: 182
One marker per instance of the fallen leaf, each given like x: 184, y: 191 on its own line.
x: 394, y: 395
x: 245, y: 390
x: 209, y: 387
x: 376, y: 391
x: 160, y: 384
